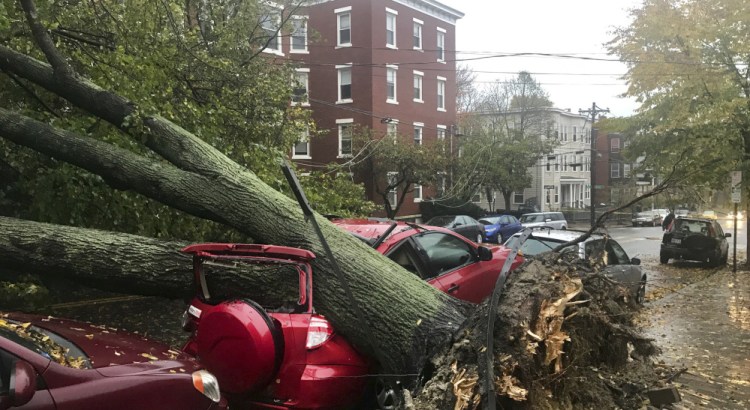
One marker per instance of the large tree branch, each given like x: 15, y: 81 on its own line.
x: 42, y: 38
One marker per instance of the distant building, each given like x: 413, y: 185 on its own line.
x: 614, y: 174
x: 560, y: 179
x: 387, y: 65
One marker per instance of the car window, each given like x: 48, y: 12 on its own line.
x: 719, y: 230
x: 505, y: 219
x: 440, y: 220
x: 532, y: 218
x: 444, y: 252
x: 594, y: 249
x: 616, y: 255
x: 489, y: 220
x: 406, y: 256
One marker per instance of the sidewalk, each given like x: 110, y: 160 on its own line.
x: 705, y: 327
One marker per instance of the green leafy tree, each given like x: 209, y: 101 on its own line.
x: 397, y: 164
x: 688, y: 67
x: 508, y: 132
x: 197, y: 63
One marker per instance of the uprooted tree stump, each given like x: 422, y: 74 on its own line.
x: 564, y: 338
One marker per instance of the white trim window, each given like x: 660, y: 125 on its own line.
x: 614, y: 170
x: 518, y: 198
x: 392, y: 178
x: 442, y: 131
x: 441, y: 93
x: 346, y: 128
x: 417, y: 193
x: 476, y: 198
x: 417, y: 34
x: 442, y: 178
x: 344, y: 26
x: 270, y: 22
x: 299, y: 35
x: 391, y: 73
x: 345, y: 83
x: 301, y: 149
x: 441, y: 44
x: 614, y: 145
x: 418, y: 81
x: 557, y: 194
x: 626, y: 170
x: 418, y: 129
x: 300, y: 87
x: 390, y: 28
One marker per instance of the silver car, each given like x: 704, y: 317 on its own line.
x: 619, y: 267
x: 554, y: 220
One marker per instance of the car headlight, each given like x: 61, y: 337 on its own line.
x: 206, y: 383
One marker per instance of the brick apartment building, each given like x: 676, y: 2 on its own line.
x: 386, y: 65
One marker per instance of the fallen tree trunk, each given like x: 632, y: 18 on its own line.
x: 405, y: 317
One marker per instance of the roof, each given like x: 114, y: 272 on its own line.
x: 563, y: 235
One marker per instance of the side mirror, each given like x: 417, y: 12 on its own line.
x: 485, y: 254
x: 635, y: 261
x: 548, y: 220
x: 457, y: 224
x: 22, y: 383
x: 728, y: 235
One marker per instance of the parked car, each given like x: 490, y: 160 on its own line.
x: 51, y: 363
x: 272, y: 350
x: 648, y: 218
x: 619, y: 267
x: 554, y: 220
x: 461, y: 224
x: 697, y: 239
x: 499, y: 228
x: 446, y: 260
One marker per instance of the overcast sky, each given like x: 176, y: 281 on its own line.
x: 577, y: 28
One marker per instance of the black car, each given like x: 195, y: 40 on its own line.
x: 462, y: 225
x: 696, y: 239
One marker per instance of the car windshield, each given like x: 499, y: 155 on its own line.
x: 531, y: 218
x: 692, y: 226
x: 491, y: 220
x: 47, y: 344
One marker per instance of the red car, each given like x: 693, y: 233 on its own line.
x: 51, y: 363
x: 445, y: 259
x: 273, y: 351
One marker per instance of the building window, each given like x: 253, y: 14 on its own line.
x: 614, y: 145
x: 625, y: 170
x: 557, y: 194
x: 575, y: 133
x: 390, y: 28
x: 557, y: 163
x: 269, y: 23
x: 300, y: 90
x: 345, y: 136
x: 418, y: 126
x: 565, y: 162
x: 391, y: 84
x: 441, y: 94
x: 518, y: 197
x: 392, y: 193
x: 441, y: 45
x: 418, y: 75
x: 301, y: 149
x: 299, y: 35
x: 392, y: 129
x: 550, y: 160
x: 344, y: 25
x: 345, y: 83
x: 477, y: 198
x: 442, y: 130
x: 417, y: 194
x: 614, y: 170
x: 418, y: 34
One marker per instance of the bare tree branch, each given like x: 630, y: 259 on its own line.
x: 44, y: 41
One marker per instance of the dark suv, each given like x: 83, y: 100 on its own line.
x: 696, y: 239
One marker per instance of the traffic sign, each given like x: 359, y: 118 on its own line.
x: 736, y: 195
x: 736, y: 178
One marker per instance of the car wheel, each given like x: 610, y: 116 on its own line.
x: 386, y: 395
x: 663, y: 258
x: 640, y: 295
x: 564, y: 227
x: 713, y: 259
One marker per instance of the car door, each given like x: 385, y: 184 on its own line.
x: 456, y: 266
x: 618, y: 265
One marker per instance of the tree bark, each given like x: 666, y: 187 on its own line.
x: 404, y: 316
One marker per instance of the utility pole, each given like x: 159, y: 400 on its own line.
x: 594, y: 111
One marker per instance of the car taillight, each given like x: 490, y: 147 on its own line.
x: 318, y: 332
x: 188, y: 324
x: 207, y: 384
